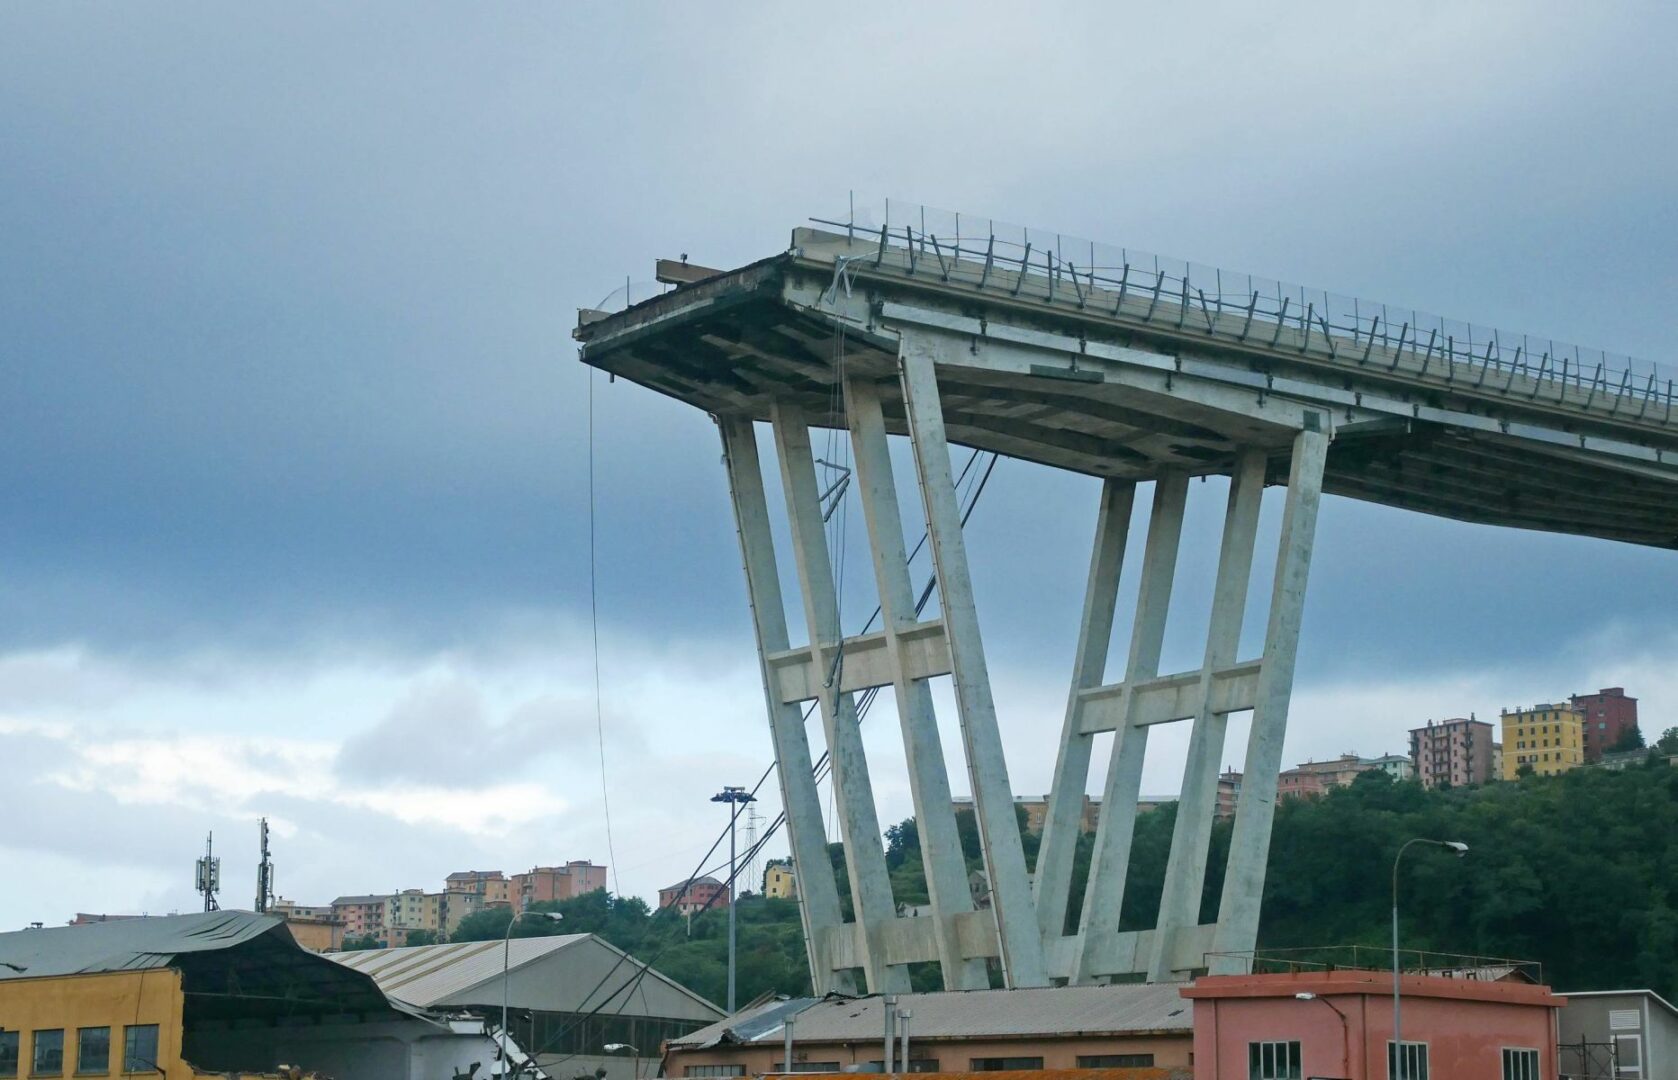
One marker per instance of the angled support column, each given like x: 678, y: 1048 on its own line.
x: 929, y: 784
x: 1238, y: 909
x: 1185, y: 873
x: 853, y: 794
x: 818, y: 890
x: 1110, y: 862
x: 1020, y: 942
x: 1063, y: 819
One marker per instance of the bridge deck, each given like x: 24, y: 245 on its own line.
x: 1069, y: 371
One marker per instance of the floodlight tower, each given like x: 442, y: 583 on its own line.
x: 735, y: 797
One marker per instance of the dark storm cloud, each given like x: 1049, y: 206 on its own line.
x: 285, y: 299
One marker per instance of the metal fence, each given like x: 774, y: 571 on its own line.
x: 1125, y: 283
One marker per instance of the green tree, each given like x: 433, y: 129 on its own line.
x: 1668, y: 742
x: 1630, y: 739
x: 365, y: 941
x: 422, y: 937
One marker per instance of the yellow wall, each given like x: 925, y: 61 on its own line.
x: 112, y: 1000
x: 1550, y: 738
x: 778, y: 883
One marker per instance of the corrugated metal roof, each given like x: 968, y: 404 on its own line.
x: 1057, y: 1010
x: 126, y: 944
x: 426, y: 974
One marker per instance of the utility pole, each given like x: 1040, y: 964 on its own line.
x: 209, y: 874
x: 264, y: 875
x: 735, y: 797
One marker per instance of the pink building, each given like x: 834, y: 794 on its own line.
x: 1339, y: 1023
x: 1452, y: 753
x: 361, y: 915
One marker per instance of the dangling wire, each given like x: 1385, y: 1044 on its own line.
x: 594, y: 634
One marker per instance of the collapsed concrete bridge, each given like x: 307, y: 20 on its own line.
x: 1131, y: 372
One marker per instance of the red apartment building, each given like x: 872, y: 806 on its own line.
x: 1609, y: 714
x: 1452, y: 752
x: 690, y: 898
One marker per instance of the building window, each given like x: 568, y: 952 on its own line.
x: 1273, y: 1061
x: 93, y: 1051
x: 717, y: 1070
x: 1115, y: 1061
x: 1520, y: 1064
x: 139, y: 1048
x: 1408, y: 1062
x: 8, y: 1053
x: 49, y: 1053
x: 1006, y: 1064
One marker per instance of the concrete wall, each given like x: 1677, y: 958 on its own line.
x: 1587, y: 1017
x: 114, y: 1000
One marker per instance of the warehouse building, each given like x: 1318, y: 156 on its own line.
x: 1065, y: 1027
x: 571, y: 996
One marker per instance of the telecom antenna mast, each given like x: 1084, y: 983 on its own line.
x: 209, y: 874
x: 264, y: 875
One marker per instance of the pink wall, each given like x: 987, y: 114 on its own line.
x: 1466, y: 1024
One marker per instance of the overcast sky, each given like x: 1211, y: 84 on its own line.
x: 294, y: 443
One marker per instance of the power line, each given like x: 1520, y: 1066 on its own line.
x: 629, y: 987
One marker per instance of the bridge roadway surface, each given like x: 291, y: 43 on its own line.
x: 1125, y: 383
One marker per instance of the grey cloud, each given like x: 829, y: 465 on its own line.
x: 442, y: 732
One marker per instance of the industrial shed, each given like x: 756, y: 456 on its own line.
x: 222, y: 992
x: 570, y: 996
x: 1061, y: 1027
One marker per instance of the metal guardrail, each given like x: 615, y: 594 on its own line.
x: 1248, y: 310
x: 1380, y: 958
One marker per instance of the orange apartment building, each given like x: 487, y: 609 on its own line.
x: 546, y: 883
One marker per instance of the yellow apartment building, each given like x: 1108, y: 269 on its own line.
x: 1548, y: 737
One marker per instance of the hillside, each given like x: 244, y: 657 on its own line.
x: 1578, y: 871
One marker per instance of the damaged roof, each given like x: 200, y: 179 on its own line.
x: 1129, y: 1009
x: 126, y: 944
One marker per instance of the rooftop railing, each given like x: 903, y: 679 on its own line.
x: 1379, y: 958
x: 1251, y: 311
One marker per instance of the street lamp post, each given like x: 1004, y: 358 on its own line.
x: 736, y: 797
x: 635, y: 1069
x: 506, y: 950
x: 1345, y: 1029
x: 1461, y: 849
